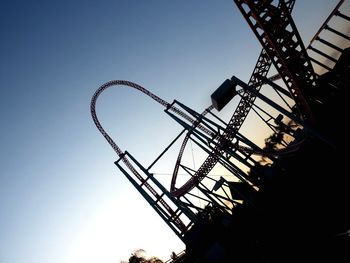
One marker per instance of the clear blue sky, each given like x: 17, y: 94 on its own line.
x: 61, y: 197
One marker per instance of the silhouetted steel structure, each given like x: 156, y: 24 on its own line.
x: 222, y: 142
x: 245, y: 104
x: 274, y: 27
x: 180, y: 212
x: 260, y: 72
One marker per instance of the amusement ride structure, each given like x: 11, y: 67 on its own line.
x: 204, y: 204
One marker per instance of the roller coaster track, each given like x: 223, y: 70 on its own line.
x: 178, y: 222
x: 172, y: 214
x: 273, y: 21
x: 264, y: 62
x: 290, y: 59
x: 279, y: 37
x: 195, y: 123
x: 260, y: 71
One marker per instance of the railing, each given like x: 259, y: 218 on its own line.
x: 325, y: 52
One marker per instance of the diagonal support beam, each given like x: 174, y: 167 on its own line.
x: 277, y: 33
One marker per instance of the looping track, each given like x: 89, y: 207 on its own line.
x: 261, y: 69
x: 205, y: 168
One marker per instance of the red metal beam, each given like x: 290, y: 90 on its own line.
x: 274, y: 27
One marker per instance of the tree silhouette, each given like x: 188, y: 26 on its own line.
x: 284, y: 133
x: 138, y: 256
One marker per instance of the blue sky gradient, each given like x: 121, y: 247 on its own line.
x: 62, y: 198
